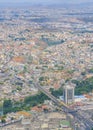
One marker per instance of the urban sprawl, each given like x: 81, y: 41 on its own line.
x: 46, y: 55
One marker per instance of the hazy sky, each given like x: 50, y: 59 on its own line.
x: 45, y: 1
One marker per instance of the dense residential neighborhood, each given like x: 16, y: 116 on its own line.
x: 37, y: 46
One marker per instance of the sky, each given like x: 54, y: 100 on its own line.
x: 45, y: 1
x: 15, y: 3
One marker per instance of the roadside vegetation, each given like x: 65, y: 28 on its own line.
x: 30, y: 101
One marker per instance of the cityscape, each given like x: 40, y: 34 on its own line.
x: 46, y: 65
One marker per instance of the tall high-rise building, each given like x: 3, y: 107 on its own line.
x: 1, y: 108
x: 68, y: 93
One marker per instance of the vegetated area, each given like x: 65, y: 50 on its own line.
x: 52, y: 42
x: 12, y: 106
x: 84, y: 86
x: 56, y: 93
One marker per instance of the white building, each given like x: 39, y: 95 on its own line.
x: 68, y: 93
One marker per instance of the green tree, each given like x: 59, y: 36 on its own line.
x: 19, y: 88
x: 7, y: 106
x: 41, y: 78
x: 84, y: 86
x: 56, y: 93
x: 3, y: 120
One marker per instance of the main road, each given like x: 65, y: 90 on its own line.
x: 88, y: 124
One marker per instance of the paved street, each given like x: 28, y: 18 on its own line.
x: 87, y: 123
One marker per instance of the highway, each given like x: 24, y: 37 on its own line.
x: 54, y: 99
x: 87, y: 123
